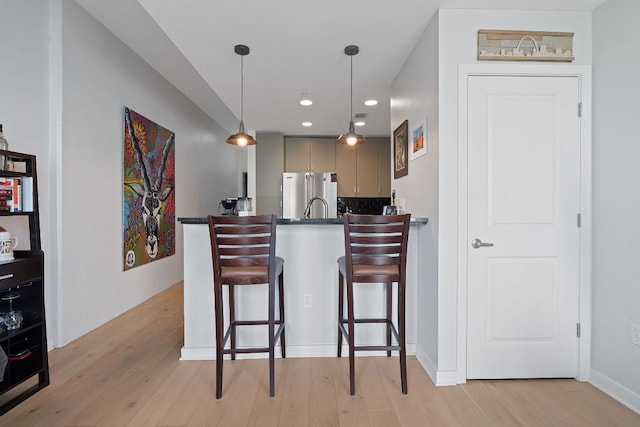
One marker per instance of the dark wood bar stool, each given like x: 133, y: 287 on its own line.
x: 375, y: 252
x: 243, y: 252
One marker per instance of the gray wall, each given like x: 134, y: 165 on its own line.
x: 100, y: 75
x: 24, y: 109
x: 432, y: 186
x: 414, y: 95
x: 63, y: 91
x: 616, y: 199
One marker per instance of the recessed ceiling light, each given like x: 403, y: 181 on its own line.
x: 305, y: 99
x: 359, y: 123
x: 307, y: 124
x: 370, y: 102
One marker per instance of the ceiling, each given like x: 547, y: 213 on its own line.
x: 296, y: 46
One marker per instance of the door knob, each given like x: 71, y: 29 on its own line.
x: 477, y: 243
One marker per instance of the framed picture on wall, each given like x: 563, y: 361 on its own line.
x: 419, y: 141
x: 149, y: 213
x: 400, y: 150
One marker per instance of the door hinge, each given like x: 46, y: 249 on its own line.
x: 578, y: 330
x: 579, y: 109
x: 579, y: 220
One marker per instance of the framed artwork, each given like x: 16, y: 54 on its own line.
x: 419, y: 141
x: 511, y: 45
x: 148, y: 214
x: 400, y: 150
x: 389, y: 210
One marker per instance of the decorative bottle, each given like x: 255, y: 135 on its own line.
x: 4, y: 145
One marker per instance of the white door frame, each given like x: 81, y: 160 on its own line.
x: 583, y: 73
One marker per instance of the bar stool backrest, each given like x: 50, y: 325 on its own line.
x: 243, y: 248
x: 376, y: 247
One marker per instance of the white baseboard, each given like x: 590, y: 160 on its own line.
x: 439, y: 377
x: 447, y: 378
x: 209, y: 353
x: 622, y: 394
x: 203, y: 353
x: 427, y: 364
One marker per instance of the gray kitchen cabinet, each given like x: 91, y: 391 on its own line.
x: 367, y: 169
x: 296, y: 154
x: 346, y: 170
x: 304, y: 154
x: 361, y: 171
x: 322, y: 155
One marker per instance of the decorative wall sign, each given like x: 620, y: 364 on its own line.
x: 400, y: 150
x: 419, y: 141
x: 506, y: 45
x: 148, y: 217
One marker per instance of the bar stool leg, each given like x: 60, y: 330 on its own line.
x: 219, y: 319
x: 401, y: 332
x: 271, y: 322
x: 352, y: 358
x: 340, y: 311
x: 281, y: 302
x: 232, y: 319
x: 389, y: 287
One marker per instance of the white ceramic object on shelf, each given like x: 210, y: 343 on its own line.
x: 7, y: 243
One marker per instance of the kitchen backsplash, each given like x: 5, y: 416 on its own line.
x: 362, y: 205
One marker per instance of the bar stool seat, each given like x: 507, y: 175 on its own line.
x: 243, y: 253
x: 387, y: 271
x: 375, y: 252
x: 250, y: 273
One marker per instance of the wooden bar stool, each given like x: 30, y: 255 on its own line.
x: 243, y: 253
x: 375, y: 252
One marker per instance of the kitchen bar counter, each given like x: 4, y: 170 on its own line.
x: 310, y: 250
x: 301, y: 221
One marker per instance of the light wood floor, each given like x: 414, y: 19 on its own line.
x: 127, y: 373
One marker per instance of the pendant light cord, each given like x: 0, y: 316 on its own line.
x: 351, y: 116
x: 241, y: 88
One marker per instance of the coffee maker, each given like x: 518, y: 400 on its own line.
x: 229, y: 205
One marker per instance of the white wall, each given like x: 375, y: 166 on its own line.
x: 414, y: 97
x: 457, y: 44
x: 24, y: 109
x: 23, y: 46
x: 616, y: 204
x: 100, y: 75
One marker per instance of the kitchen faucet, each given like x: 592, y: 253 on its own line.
x: 307, y: 210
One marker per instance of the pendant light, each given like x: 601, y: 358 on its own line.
x: 351, y: 137
x: 241, y: 138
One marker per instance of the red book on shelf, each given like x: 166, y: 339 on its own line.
x: 17, y: 196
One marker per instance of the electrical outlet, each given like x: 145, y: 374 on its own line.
x: 635, y: 334
x: 307, y: 300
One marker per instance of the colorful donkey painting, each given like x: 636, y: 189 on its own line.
x: 148, y: 217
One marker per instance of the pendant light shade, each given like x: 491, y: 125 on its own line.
x: 351, y: 137
x: 241, y: 138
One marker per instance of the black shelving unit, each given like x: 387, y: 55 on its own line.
x: 22, y: 289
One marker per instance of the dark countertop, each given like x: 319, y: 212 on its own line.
x: 301, y: 221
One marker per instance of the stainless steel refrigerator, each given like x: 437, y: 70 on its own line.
x: 311, y: 195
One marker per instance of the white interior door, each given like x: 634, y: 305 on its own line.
x: 523, y: 199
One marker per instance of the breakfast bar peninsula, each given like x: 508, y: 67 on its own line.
x: 310, y: 248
